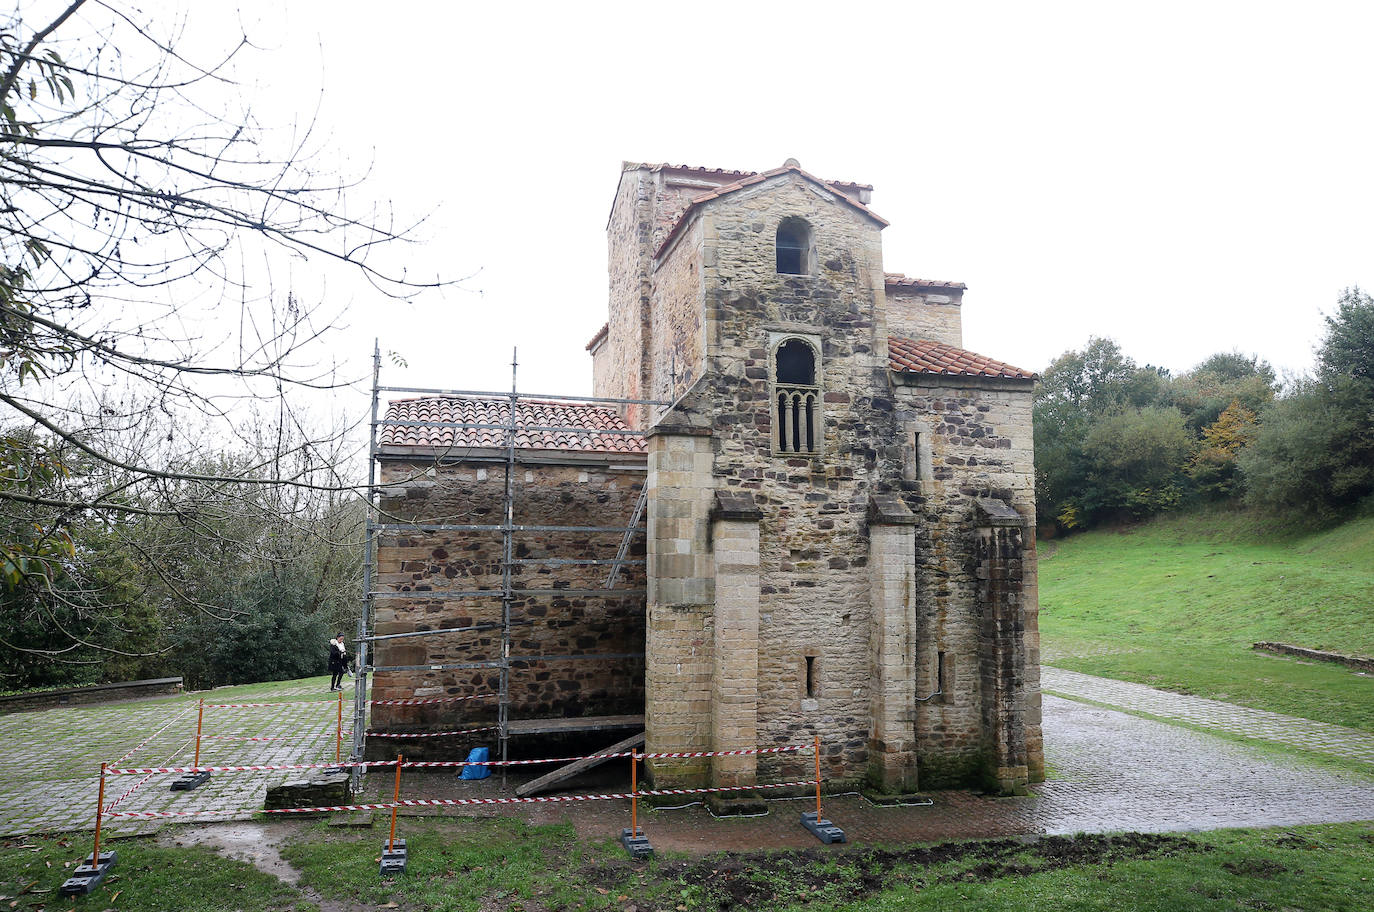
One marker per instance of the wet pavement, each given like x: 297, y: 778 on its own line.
x: 1108, y: 770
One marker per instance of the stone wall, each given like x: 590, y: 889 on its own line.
x: 978, y: 434
x: 416, y: 563
x: 679, y: 353
x: 926, y: 313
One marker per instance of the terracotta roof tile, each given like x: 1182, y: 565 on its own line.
x: 727, y: 172
x: 600, y: 335
x: 755, y: 178
x: 530, y: 413
x: 897, y: 280
x: 918, y: 356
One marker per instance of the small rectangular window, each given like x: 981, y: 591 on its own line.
x: 811, y: 677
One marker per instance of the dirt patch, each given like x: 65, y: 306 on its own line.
x: 255, y: 843
x: 1262, y: 868
x: 757, y: 880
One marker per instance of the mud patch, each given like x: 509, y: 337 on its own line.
x: 255, y: 843
x: 759, y: 880
x: 1262, y: 868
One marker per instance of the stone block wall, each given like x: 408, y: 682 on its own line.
x: 680, y: 621
x: 418, y: 565
x: 978, y: 440
x: 926, y: 313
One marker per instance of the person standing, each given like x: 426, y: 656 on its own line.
x: 337, y: 662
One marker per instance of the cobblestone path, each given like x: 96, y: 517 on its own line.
x: 50, y: 760
x: 1336, y: 740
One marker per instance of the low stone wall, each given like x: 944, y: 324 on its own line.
x: 1360, y: 662
x: 96, y: 693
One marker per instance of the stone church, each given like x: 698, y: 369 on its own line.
x: 838, y: 504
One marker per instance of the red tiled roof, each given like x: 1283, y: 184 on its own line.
x: 918, y: 356
x: 752, y: 179
x: 529, y: 414
x: 897, y: 280
x: 727, y: 172
x: 600, y: 334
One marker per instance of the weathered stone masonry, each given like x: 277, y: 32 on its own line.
x: 874, y: 585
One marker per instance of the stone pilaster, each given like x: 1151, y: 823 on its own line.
x: 892, y: 647
x: 999, y: 551
x: 680, y: 634
x: 735, y: 689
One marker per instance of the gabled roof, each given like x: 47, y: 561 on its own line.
x: 897, y: 280
x: 529, y: 415
x: 919, y: 356
x: 727, y: 189
x: 601, y: 334
x: 730, y: 173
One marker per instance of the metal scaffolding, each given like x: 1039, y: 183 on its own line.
x: 510, y: 457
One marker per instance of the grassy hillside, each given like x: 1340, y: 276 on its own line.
x: 1176, y: 603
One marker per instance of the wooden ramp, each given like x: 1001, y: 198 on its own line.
x: 577, y: 766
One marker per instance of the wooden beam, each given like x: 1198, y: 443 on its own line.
x: 577, y: 766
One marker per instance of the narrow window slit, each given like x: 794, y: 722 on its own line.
x: 811, y: 677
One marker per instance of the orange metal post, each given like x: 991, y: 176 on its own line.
x: 634, y: 793
x: 818, y: 777
x: 338, y: 739
x: 200, y: 721
x: 391, y: 840
x: 99, y: 813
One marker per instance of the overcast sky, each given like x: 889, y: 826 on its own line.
x: 1183, y: 177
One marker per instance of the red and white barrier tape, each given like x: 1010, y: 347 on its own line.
x: 255, y: 768
x: 617, y: 756
x: 482, y: 696
x: 145, y: 741
x: 458, y: 802
x: 273, y: 703
x: 139, y: 784
x: 330, y: 733
x: 461, y: 731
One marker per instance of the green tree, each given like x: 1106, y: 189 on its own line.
x: 1313, y: 454
x: 1135, y: 462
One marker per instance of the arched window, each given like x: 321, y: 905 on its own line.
x: 797, y: 421
x: 794, y: 247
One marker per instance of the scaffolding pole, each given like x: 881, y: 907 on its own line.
x: 360, y: 703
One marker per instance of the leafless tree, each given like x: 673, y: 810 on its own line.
x: 141, y: 207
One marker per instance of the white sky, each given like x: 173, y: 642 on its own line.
x: 1183, y: 177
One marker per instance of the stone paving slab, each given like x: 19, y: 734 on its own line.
x: 50, y: 760
x: 1335, y: 740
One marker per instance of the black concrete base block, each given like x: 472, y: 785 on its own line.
x: 393, y: 858
x: 736, y: 804
x: 334, y: 771
x: 894, y: 799
x: 190, y: 781
x: 319, y: 790
x: 821, y: 828
x: 636, y: 843
x: 86, y: 876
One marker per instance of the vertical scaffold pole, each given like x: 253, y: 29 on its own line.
x: 99, y: 815
x: 200, y: 722
x: 395, y: 801
x: 634, y: 793
x: 365, y: 616
x: 818, y: 776
x: 338, y: 733
x: 507, y: 553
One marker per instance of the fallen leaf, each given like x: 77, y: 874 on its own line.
x: 602, y: 890
x: 622, y: 898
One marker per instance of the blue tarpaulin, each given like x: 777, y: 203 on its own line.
x: 477, y: 755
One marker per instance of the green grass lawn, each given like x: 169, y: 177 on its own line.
x: 471, y: 864
x: 1177, y: 603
